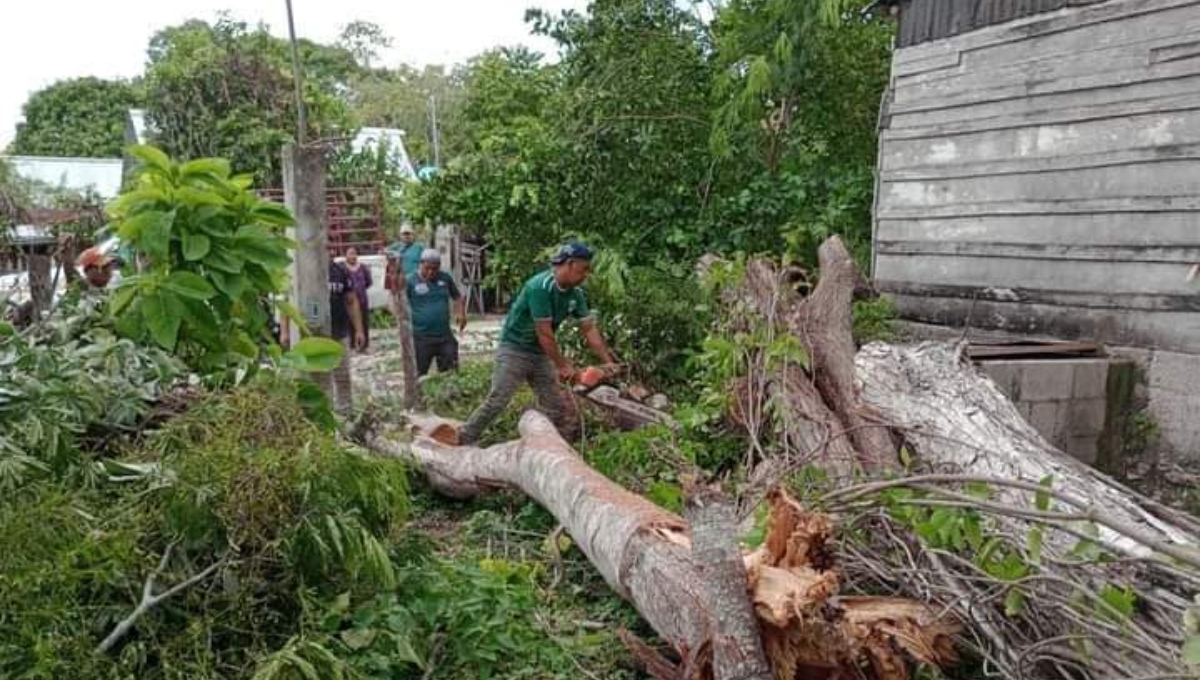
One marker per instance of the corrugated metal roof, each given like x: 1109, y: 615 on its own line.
x: 102, y: 175
x: 926, y: 20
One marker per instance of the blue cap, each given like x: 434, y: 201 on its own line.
x: 572, y: 251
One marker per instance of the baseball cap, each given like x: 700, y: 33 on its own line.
x: 572, y: 251
x: 95, y: 257
x: 431, y: 255
x: 406, y: 229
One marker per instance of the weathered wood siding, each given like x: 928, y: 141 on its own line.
x: 1043, y: 176
x: 925, y: 20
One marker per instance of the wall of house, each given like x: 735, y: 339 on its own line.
x: 1042, y: 177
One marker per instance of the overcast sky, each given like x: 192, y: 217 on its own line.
x: 42, y: 41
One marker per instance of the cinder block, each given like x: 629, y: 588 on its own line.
x: 1091, y: 379
x: 1044, y: 418
x: 1085, y: 417
x: 1046, y: 380
x: 1004, y: 374
x: 1025, y: 408
x: 1174, y: 372
x: 1082, y: 449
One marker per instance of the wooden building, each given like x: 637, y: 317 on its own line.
x: 1040, y: 165
x: 1039, y: 175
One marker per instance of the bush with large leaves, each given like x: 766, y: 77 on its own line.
x: 211, y: 255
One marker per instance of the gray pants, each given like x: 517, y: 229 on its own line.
x: 513, y: 368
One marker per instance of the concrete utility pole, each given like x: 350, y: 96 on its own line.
x: 297, y: 79
x: 304, y: 194
x: 433, y: 127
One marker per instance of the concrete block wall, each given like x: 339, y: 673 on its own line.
x: 1064, y: 399
x: 1171, y: 390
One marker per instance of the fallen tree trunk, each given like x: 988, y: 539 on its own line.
x: 961, y: 423
x: 645, y: 554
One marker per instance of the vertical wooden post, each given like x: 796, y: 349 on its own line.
x: 304, y: 194
x: 40, y: 290
x: 408, y: 353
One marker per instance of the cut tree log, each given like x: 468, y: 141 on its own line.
x: 645, y: 554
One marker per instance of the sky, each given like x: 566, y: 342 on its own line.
x: 42, y: 41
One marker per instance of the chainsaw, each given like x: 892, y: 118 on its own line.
x: 598, y: 385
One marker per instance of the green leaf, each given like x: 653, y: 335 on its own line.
x: 189, y: 285
x: 122, y: 296
x: 195, y: 245
x: 358, y: 639
x: 225, y: 261
x: 163, y: 312
x: 156, y: 236
x: 218, y: 167
x: 319, y: 354
x: 231, y: 285
x: 1116, y: 603
x: 198, y: 197
x: 1191, y: 651
x: 241, y: 343
x: 1033, y: 542
x: 267, y: 212
x: 151, y: 157
x: 1014, y: 602
x: 1042, y: 499
x: 134, y: 229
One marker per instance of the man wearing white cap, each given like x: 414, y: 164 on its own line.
x: 408, y: 250
x: 430, y: 294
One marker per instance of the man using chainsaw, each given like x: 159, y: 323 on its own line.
x: 528, y: 350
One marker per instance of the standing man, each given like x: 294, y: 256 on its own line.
x: 408, y: 251
x: 528, y: 350
x: 430, y: 293
x: 346, y: 326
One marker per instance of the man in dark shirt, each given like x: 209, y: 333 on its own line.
x: 430, y: 295
x: 346, y: 326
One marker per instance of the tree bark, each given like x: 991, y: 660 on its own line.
x: 408, y: 354
x: 737, y: 650
x: 959, y: 422
x: 824, y: 324
x: 646, y: 555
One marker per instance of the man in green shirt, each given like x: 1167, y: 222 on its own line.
x: 430, y: 294
x: 528, y: 350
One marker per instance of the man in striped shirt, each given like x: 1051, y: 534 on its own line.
x: 528, y: 350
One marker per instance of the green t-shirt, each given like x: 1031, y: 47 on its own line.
x: 430, y: 303
x: 541, y: 299
x: 410, y: 255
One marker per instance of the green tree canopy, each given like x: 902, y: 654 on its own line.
x: 77, y: 117
x: 227, y: 90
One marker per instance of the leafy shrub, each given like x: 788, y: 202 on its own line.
x: 242, y: 479
x: 70, y: 379
x: 213, y: 255
x: 873, y: 320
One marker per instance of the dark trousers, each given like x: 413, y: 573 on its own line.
x: 430, y: 347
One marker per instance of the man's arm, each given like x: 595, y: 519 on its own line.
x: 545, y: 336
x: 460, y: 305
x: 595, y: 340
